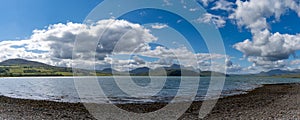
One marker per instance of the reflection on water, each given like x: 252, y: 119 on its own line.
x: 62, y: 89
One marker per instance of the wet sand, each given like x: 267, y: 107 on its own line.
x: 268, y: 102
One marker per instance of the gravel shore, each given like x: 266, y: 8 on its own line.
x: 267, y: 102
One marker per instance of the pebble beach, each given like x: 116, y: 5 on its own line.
x: 280, y: 101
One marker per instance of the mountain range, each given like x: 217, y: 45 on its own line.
x: 22, y: 67
x: 281, y: 73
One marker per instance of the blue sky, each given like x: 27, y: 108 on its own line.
x: 20, y: 18
x: 257, y: 37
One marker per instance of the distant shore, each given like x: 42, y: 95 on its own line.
x: 268, y: 102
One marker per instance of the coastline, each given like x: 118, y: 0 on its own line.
x: 276, y: 101
x: 272, y: 101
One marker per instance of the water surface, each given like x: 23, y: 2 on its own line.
x: 63, y: 89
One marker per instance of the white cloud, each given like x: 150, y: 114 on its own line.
x: 193, y: 9
x: 271, y: 47
x: 61, y: 38
x: 159, y: 26
x: 138, y: 60
x: 167, y: 57
x: 187, y: 58
x: 265, y: 49
x: 17, y: 49
x: 223, y: 5
x: 295, y: 62
x: 206, y: 2
x: 214, y: 19
x: 254, y: 13
x: 54, y: 45
x: 167, y: 2
x: 266, y: 64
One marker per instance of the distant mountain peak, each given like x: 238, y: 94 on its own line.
x: 108, y: 70
x: 277, y: 72
x: 140, y: 70
x: 175, y: 66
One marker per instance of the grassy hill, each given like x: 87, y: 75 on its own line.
x: 22, y: 62
x: 21, y: 67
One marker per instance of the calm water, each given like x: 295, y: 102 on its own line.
x: 63, y: 89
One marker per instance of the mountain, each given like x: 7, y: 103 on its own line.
x: 140, y: 71
x: 173, y: 70
x: 107, y: 71
x: 278, y: 72
x: 174, y: 66
x: 178, y: 70
x: 22, y: 62
x: 212, y: 73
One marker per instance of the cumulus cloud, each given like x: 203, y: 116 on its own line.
x: 265, y: 49
x: 231, y: 67
x: 266, y: 64
x: 17, y: 49
x: 58, y: 39
x: 219, y: 21
x: 61, y: 38
x: 183, y: 54
x: 254, y: 13
x: 271, y: 47
x: 138, y: 60
x: 166, y: 57
x: 55, y: 45
x: 228, y: 62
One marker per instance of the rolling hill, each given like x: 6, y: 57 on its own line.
x: 23, y: 62
x: 22, y: 67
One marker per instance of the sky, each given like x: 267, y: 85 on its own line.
x: 257, y: 35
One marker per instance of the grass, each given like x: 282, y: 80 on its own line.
x: 13, y: 71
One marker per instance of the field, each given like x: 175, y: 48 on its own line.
x: 15, y: 71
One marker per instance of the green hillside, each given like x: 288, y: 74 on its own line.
x: 21, y: 67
